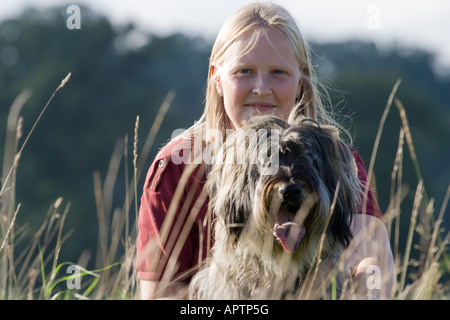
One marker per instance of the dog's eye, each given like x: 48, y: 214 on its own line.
x: 285, y: 150
x: 316, y: 163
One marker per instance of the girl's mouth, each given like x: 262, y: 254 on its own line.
x: 261, y: 107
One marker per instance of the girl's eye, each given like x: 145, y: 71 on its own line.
x: 244, y: 71
x: 279, y: 72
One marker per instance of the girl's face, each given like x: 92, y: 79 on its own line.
x: 265, y: 80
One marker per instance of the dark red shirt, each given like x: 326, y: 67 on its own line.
x: 171, y: 249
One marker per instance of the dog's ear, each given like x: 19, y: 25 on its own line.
x: 233, y: 201
x: 337, y: 171
x: 237, y: 214
x: 232, y: 211
x: 231, y: 181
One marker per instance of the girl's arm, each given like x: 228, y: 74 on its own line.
x: 370, y: 256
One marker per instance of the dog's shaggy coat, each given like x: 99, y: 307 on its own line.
x: 283, y: 197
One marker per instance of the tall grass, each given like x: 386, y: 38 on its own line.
x: 37, y: 273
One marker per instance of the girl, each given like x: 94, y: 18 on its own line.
x: 259, y: 64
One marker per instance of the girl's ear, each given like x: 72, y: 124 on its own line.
x: 214, y: 74
x: 219, y: 87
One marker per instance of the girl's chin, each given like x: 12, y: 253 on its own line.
x: 253, y: 113
x: 266, y: 112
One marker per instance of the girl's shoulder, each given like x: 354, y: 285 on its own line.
x: 359, y: 161
x: 174, y: 146
x: 370, y: 204
x: 170, y: 163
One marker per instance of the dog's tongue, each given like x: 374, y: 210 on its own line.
x: 290, y: 234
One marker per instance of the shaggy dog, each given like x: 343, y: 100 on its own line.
x: 283, y: 197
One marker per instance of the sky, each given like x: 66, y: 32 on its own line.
x: 410, y: 24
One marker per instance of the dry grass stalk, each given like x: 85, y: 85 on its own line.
x: 16, y: 159
x: 377, y: 142
x: 309, y: 281
x: 112, y: 230
x: 415, y: 162
x: 8, y: 278
x: 11, y: 224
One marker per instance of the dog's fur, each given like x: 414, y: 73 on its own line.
x: 283, y: 203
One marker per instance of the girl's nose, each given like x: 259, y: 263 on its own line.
x: 261, y: 85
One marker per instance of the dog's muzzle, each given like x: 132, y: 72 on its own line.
x: 291, y: 196
x: 288, y: 230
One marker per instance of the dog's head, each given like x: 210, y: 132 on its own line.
x: 287, y: 184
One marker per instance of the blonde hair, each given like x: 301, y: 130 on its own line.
x: 258, y: 17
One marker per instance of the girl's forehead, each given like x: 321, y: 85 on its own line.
x: 270, y: 42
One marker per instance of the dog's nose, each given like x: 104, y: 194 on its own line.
x: 292, y: 196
